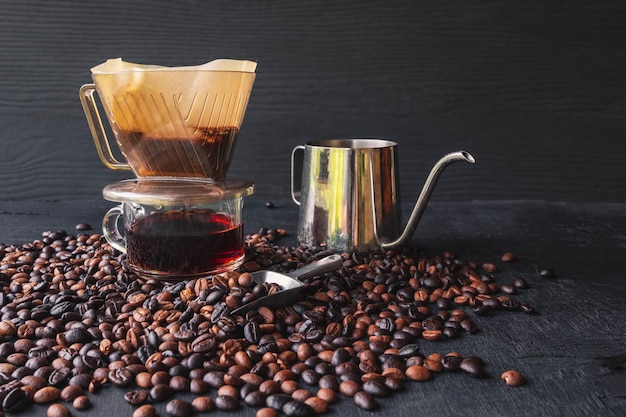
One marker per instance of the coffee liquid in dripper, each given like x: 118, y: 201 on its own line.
x: 206, y: 155
x: 185, y: 242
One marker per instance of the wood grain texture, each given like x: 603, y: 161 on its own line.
x: 572, y: 352
x: 535, y: 90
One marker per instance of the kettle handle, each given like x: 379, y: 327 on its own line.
x: 97, y: 129
x: 297, y: 163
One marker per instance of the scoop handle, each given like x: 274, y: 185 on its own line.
x: 329, y: 263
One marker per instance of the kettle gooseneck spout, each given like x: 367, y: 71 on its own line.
x: 424, y: 196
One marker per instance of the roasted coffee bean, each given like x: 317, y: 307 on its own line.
x: 81, y: 402
x: 547, y: 273
x: 473, y: 366
x: 376, y: 387
x: 508, y: 257
x: 481, y: 310
x: 418, y: 373
x: 364, y: 400
x: 15, y: 400
x: 161, y: 392
x: 58, y: 377
x: 226, y: 403
x: 513, y: 378
x: 511, y: 304
x: 297, y: 409
x: 120, y: 377
x: 520, y: 283
x: 329, y: 381
x: 70, y: 392
x: 179, y: 408
x: 349, y: 388
x: 451, y: 362
x: 409, y: 350
x: 252, y: 332
x: 266, y: 412
x: 255, y: 399
x: 214, y: 379
x: 146, y: 410
x: 58, y: 410
x: 310, y: 377
x: 137, y: 397
x: 46, y: 395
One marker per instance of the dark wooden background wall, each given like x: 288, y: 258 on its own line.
x: 536, y: 90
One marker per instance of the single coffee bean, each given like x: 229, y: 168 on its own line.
x: 318, y: 405
x: 513, y: 378
x: 83, y: 226
x: 80, y: 380
x: 226, y: 403
x: 508, y: 257
x: 46, y: 395
x: 161, y: 392
x: 179, y: 383
x: 349, y: 388
x: 255, y: 399
x: 297, y: 409
x: 547, y: 273
x: 146, y: 410
x: 203, y: 404
x: 451, y: 362
x: 376, y: 387
x: 489, y: 267
x: 179, y: 408
x: 266, y: 412
x: 15, y: 400
x: 120, y: 377
x: 508, y: 289
x: 364, y: 400
x: 528, y: 309
x: 473, y: 366
x: 58, y: 410
x: 520, y: 283
x: 70, y: 392
x: 328, y: 395
x: 81, y: 402
x: 418, y: 373
x: 137, y: 397
x: 481, y: 310
x: 198, y: 386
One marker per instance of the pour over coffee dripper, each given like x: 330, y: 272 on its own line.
x: 169, y: 122
x: 177, y: 129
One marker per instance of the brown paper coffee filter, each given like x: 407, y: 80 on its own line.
x: 174, y: 102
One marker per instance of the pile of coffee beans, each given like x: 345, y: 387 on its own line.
x: 74, y: 319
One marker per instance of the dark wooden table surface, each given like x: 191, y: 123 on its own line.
x: 573, y: 352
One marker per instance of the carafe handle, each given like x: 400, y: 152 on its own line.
x: 110, y: 229
x: 297, y: 161
x: 97, y: 129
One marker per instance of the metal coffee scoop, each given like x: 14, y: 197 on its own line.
x: 290, y: 283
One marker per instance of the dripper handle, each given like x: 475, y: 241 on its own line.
x: 297, y: 161
x: 97, y: 129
